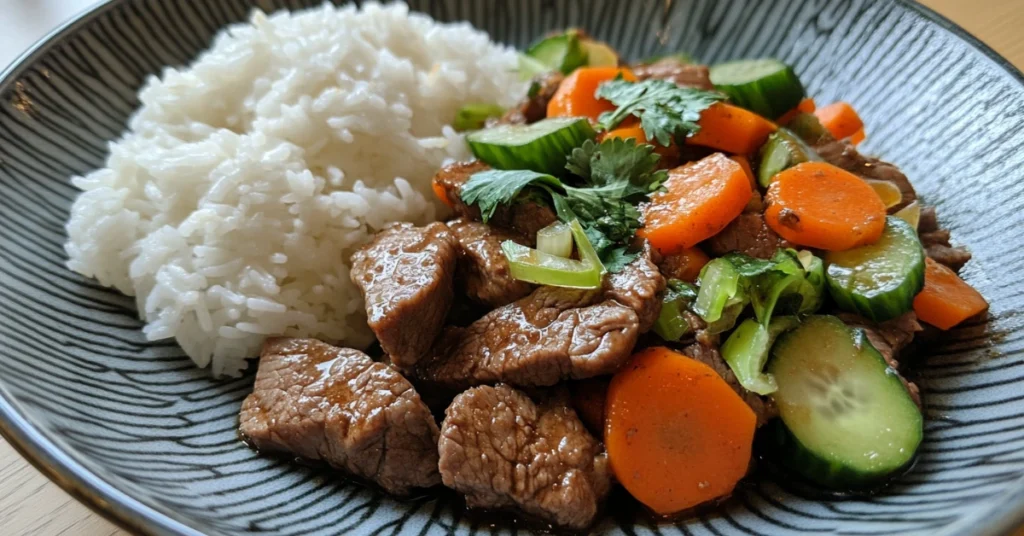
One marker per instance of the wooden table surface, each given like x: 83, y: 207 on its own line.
x: 32, y: 505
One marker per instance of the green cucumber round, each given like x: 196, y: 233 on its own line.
x: 765, y: 86
x: 599, y: 54
x: 848, y: 420
x: 879, y: 280
x: 808, y: 128
x: 542, y: 146
x: 562, y: 52
x: 783, y: 150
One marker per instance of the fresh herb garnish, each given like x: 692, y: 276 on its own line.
x: 494, y: 187
x: 616, y: 175
x: 666, y: 111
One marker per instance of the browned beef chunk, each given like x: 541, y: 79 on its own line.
x: 937, y: 246
x: 523, y: 218
x: 676, y: 266
x: 406, y: 276
x: 336, y: 405
x: 747, y: 234
x: 929, y: 221
x: 708, y: 354
x: 673, y: 70
x: 551, y: 335
x: 936, y: 241
x: 640, y: 286
x: 535, y: 108
x: 588, y: 399
x: 482, y: 270
x: 502, y: 450
x: 451, y: 178
x: 844, y: 155
x: 889, y: 338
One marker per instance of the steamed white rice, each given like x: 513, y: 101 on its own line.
x: 231, y: 206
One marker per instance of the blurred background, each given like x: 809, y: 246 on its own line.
x: 32, y: 505
x: 997, y: 22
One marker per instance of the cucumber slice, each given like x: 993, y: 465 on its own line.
x: 600, y: 54
x: 808, y: 128
x: 849, y: 421
x: 766, y: 86
x: 529, y: 68
x: 562, y: 52
x: 783, y: 150
x: 541, y: 146
x: 879, y: 280
x: 473, y: 116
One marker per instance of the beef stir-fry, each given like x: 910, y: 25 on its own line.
x: 645, y: 266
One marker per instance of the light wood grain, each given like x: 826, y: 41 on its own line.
x: 32, y: 505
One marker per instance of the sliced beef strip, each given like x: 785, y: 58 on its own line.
x: 673, y: 70
x: 406, y: 276
x: 588, y: 399
x: 936, y: 241
x: 676, y: 266
x: 937, y: 246
x: 747, y: 234
x: 844, y: 155
x: 502, y: 450
x: 533, y: 108
x: 707, y: 352
x: 889, y: 338
x: 482, y: 270
x: 551, y: 335
x: 928, y: 220
x: 639, y: 286
x: 336, y: 405
x: 523, y: 218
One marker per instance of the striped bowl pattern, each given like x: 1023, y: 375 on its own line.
x: 132, y: 428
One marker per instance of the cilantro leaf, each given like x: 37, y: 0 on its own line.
x: 615, y: 176
x: 615, y: 259
x: 617, y: 161
x: 666, y: 110
x: 494, y: 187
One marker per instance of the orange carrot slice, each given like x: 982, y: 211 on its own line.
x: 744, y: 163
x: 858, y: 137
x: 575, y: 95
x: 698, y: 201
x: 684, y: 264
x: 677, y: 435
x: 731, y: 129
x: 441, y: 193
x: 819, y: 205
x: 840, y: 119
x: 637, y: 133
x: 946, y: 300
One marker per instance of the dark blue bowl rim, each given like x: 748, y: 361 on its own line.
x: 104, y: 498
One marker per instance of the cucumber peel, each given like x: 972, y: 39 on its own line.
x: 542, y: 146
x: 764, y: 86
x: 880, y: 280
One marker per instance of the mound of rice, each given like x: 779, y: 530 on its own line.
x: 231, y: 206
